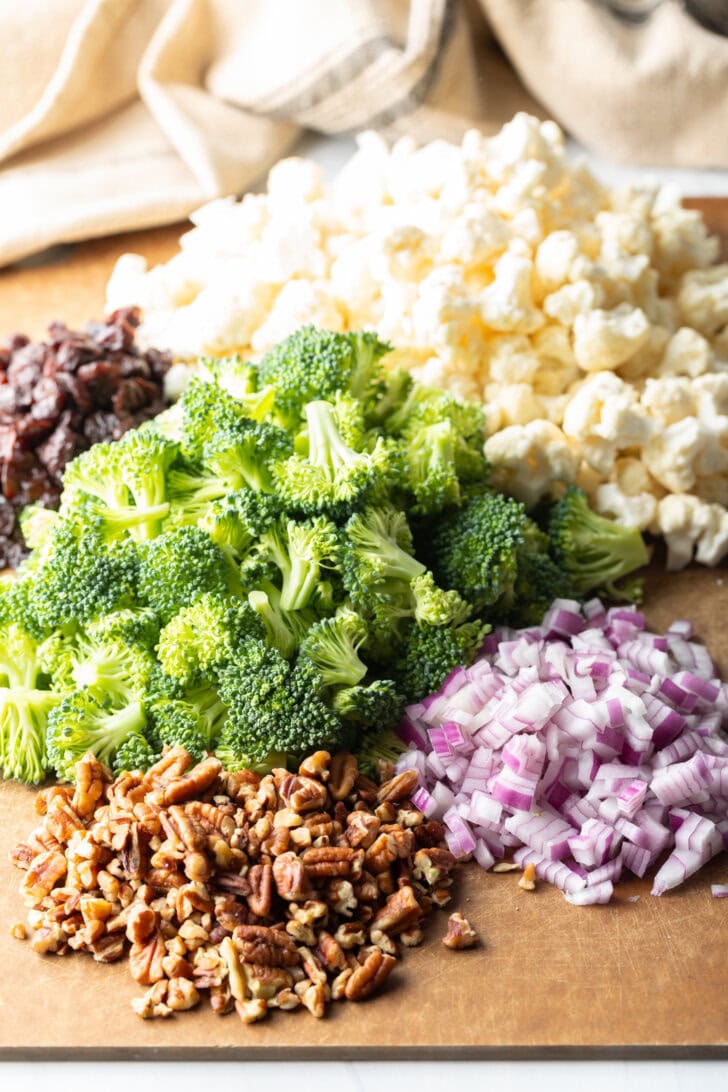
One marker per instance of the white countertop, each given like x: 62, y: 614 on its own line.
x: 511, y: 1076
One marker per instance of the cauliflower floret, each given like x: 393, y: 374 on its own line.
x: 443, y: 315
x: 690, y: 525
x: 164, y: 288
x: 553, y: 342
x: 687, y: 353
x: 669, y: 400
x: 407, y: 254
x: 507, y: 303
x: 554, y: 259
x: 572, y: 300
x: 606, y: 339
x: 354, y: 286
x: 475, y: 238
x: 527, y: 460
x: 631, y: 510
x: 671, y: 452
x: 299, y: 303
x: 703, y: 299
x: 604, y: 415
x: 711, y: 392
x: 511, y: 359
x: 512, y: 404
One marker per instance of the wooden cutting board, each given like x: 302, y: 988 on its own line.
x: 640, y: 976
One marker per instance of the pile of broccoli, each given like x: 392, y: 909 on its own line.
x: 275, y: 564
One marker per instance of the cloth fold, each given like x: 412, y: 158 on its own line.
x: 122, y: 114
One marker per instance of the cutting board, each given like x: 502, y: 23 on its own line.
x: 642, y: 976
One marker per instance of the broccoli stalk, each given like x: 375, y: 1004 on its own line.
x: 332, y: 647
x: 299, y: 550
x: 595, y: 551
x: 333, y: 477
x: 79, y: 724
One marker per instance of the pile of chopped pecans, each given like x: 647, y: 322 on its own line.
x: 267, y: 892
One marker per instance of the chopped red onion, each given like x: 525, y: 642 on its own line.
x: 719, y: 890
x: 587, y: 744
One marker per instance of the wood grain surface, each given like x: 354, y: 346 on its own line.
x: 640, y: 976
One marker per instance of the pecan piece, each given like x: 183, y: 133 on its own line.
x: 400, y: 911
x: 211, y: 817
x: 191, y: 784
x: 268, y: 947
x: 361, y: 829
x: 43, y: 874
x: 399, y: 787
x: 460, y: 933
x: 145, y: 960
x: 316, y: 765
x: 329, y: 861
x: 367, y: 978
x: 344, y: 772
x: 91, y: 777
x: 260, y: 898
x: 303, y: 793
x: 314, y: 998
x: 330, y: 952
x: 290, y: 877
x: 109, y: 948
x: 182, y: 994
x: 251, y: 1011
x: 432, y: 864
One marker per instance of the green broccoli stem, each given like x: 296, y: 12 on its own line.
x: 326, y: 449
x: 279, y: 635
x: 105, y: 739
x: 23, y: 721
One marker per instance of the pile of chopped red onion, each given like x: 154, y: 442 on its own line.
x: 585, y: 746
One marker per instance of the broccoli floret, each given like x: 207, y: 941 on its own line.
x: 232, y: 760
x: 144, y: 459
x: 376, y: 705
x: 430, y: 653
x: 386, y: 583
x: 424, y: 406
x: 210, y: 711
x: 284, y: 630
x: 237, y: 521
x: 430, y: 473
x: 203, y: 635
x: 192, y: 491
x: 333, y: 477
x: 314, y: 363
x: 299, y: 550
x: 474, y: 548
x: 135, y: 754
x: 176, y: 722
x: 75, y: 578
x: 113, y: 672
x: 333, y: 644
x: 133, y: 626
x: 273, y: 706
x: 97, y: 485
x: 36, y: 524
x: 595, y: 551
x: 205, y: 410
x: 81, y: 724
x: 239, y: 380
x: 179, y: 566
x: 24, y: 707
x: 244, y: 453
x: 57, y: 660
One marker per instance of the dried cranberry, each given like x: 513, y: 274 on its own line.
x: 7, y: 518
x: 62, y: 445
x: 102, y: 379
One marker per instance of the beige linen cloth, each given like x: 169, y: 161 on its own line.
x: 121, y: 114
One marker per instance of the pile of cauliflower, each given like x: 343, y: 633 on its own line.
x: 592, y: 322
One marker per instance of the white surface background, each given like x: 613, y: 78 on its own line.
x: 611, y: 1076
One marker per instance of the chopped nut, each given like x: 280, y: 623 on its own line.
x: 145, y: 960
x: 460, y: 933
x: 367, y: 978
x: 314, y: 998
x: 344, y: 772
x: 152, y: 1003
x: 527, y: 881
x: 182, y: 994
x: 141, y: 923
x: 400, y: 911
x: 504, y: 866
x: 291, y: 879
x: 260, y: 879
x: 18, y: 930
x: 251, y: 1011
x: 316, y: 765
x: 286, y: 999
x: 400, y: 787
x: 235, y: 975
